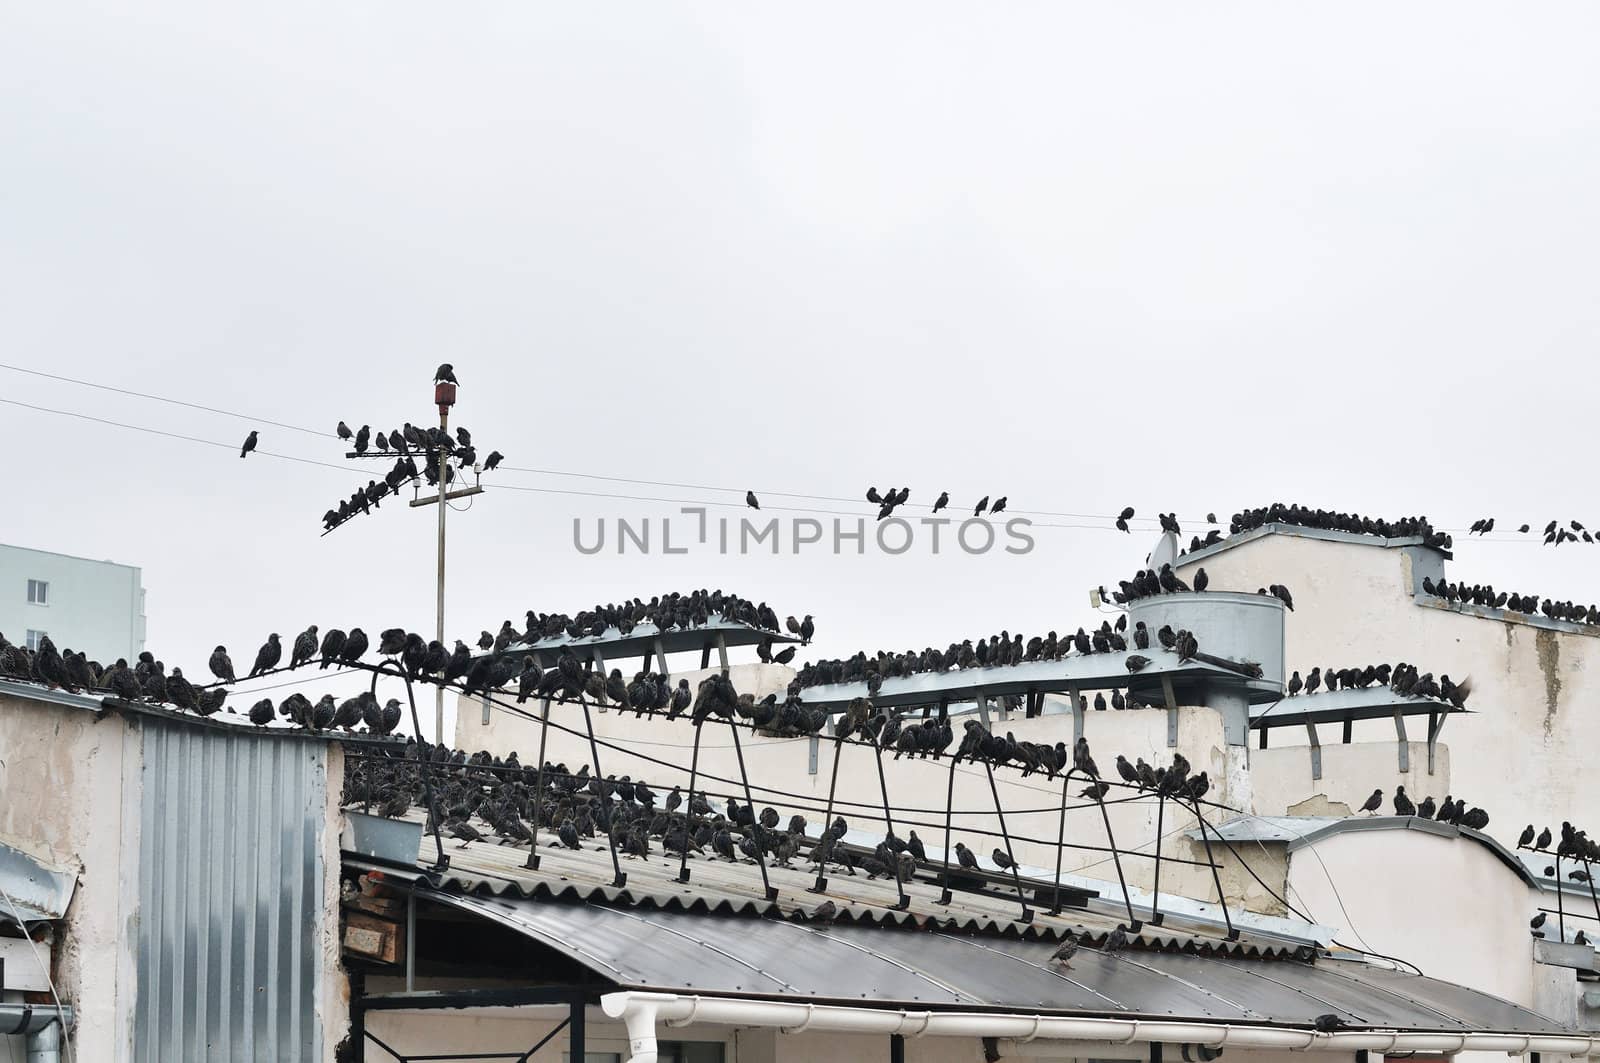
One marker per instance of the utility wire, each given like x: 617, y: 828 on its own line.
x: 567, y: 472
x: 163, y: 398
x: 175, y: 435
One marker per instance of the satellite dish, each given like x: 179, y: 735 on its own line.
x: 1165, y: 552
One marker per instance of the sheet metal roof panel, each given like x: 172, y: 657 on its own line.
x: 1475, y: 1010
x: 773, y: 959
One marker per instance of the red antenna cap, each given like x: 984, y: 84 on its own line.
x: 444, y: 393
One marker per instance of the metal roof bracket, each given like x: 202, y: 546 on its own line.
x: 1316, y: 749
x: 1405, y: 747
x: 1172, y: 711
x: 1077, y: 713
x: 1435, y: 725
x: 600, y: 666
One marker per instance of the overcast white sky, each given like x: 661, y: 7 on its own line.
x: 1181, y: 257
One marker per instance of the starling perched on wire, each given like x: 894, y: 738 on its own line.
x: 268, y: 656
x: 942, y: 501
x: 1527, y: 837
x: 222, y: 665
x: 249, y: 443
x: 751, y: 500
x: 305, y: 647
x: 1001, y: 860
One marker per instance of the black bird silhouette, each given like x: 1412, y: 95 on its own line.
x: 305, y: 647
x: 1123, y: 518
x: 1201, y: 580
x: 1329, y: 1023
x: 1066, y: 950
x: 445, y: 372
x: 999, y: 504
x: 1426, y: 809
x: 1544, y: 839
x: 983, y: 504
x: 222, y: 665
x: 493, y: 461
x: 942, y: 501
x: 1115, y: 941
x: 1373, y: 802
x: 751, y: 500
x: 1001, y: 860
x: 249, y: 443
x: 268, y: 656
x: 1402, y: 803
x: 1527, y: 837
x: 344, y: 431
x: 1281, y: 593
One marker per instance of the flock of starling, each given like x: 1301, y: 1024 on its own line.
x: 1527, y: 605
x: 1450, y: 811
x: 1328, y: 520
x: 405, y: 443
x: 994, y: 651
x: 1402, y: 678
x: 892, y: 499
x: 480, y: 797
x: 1555, y: 533
x: 665, y: 612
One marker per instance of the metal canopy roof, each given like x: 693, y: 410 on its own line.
x: 644, y: 639
x: 771, y: 958
x: 717, y: 886
x: 1341, y: 706
x: 1097, y: 671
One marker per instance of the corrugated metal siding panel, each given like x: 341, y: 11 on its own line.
x: 230, y: 887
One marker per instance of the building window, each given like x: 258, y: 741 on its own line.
x: 38, y: 592
x: 33, y: 639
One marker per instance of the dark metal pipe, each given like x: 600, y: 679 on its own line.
x: 1155, y: 893
x: 619, y: 880
x: 1016, y: 879
x: 688, y: 817
x: 827, y: 817
x: 1116, y: 859
x: 1222, y: 899
x: 757, y: 831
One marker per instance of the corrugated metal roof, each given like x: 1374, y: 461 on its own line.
x: 230, y: 891
x: 685, y: 952
x: 493, y: 871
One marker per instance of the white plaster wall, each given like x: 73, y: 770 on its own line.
x: 1522, y: 754
x: 62, y: 796
x: 1283, y: 779
x: 1447, y: 905
x: 94, y: 606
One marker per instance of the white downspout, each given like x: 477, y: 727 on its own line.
x: 638, y: 1011
x: 641, y: 1011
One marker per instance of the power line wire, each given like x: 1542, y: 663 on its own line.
x: 1508, y: 537
x: 164, y: 398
